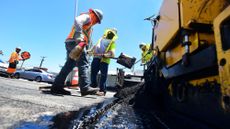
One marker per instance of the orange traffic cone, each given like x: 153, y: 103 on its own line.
x: 74, y: 81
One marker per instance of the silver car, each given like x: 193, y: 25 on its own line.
x: 35, y: 75
x: 3, y: 68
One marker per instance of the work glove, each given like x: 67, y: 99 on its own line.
x: 76, y: 51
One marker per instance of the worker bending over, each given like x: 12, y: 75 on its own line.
x: 76, y: 56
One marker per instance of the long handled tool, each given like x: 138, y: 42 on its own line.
x: 123, y: 60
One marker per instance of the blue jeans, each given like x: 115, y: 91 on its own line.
x: 83, y: 67
x: 97, y: 66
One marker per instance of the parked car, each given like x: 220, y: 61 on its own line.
x: 3, y: 68
x: 35, y: 75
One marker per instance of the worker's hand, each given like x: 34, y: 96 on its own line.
x: 107, y: 55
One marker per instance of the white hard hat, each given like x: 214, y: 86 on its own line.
x: 115, y: 30
x: 142, y: 44
x: 99, y: 14
x: 18, y: 48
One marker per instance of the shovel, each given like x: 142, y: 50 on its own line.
x: 123, y: 60
x: 126, y: 60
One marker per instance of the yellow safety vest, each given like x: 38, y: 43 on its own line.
x: 145, y: 55
x: 111, y: 46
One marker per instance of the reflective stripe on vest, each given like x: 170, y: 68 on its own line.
x: 72, y: 33
x: 86, y: 29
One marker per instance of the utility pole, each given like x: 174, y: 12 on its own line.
x: 43, y: 59
x: 75, y: 9
x: 22, y: 64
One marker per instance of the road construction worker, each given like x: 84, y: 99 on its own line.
x: 76, y: 55
x: 103, y: 51
x: 146, y: 54
x: 13, y: 61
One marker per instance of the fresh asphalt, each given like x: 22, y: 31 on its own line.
x: 20, y: 101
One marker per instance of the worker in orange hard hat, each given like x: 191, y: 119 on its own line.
x: 13, y: 61
x: 75, y: 43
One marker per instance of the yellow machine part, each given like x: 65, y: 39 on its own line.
x: 175, y: 53
x: 168, y: 26
x: 198, y: 11
x: 223, y: 55
x: 197, y: 82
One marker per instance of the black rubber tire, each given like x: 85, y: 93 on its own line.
x: 38, y: 79
x: 17, y: 75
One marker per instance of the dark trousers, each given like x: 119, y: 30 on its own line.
x: 97, y: 66
x: 83, y: 67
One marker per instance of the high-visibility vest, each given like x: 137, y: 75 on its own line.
x: 110, y: 47
x: 146, y: 56
x: 86, y: 29
x: 14, y: 56
x: 12, y: 66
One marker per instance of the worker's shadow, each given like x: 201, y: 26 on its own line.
x: 72, y: 94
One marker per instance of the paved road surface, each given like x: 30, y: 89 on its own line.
x: 20, y: 100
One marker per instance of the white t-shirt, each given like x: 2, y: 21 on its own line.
x: 101, y: 47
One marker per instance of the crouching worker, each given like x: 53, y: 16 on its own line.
x: 103, y: 51
x: 13, y: 61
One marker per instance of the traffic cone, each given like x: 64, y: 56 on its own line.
x: 74, y: 81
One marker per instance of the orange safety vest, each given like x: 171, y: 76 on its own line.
x: 14, y: 56
x: 86, y: 31
x: 12, y: 66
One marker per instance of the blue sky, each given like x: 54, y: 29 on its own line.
x: 41, y: 26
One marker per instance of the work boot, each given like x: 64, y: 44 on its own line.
x: 93, y: 86
x: 57, y: 90
x: 89, y: 91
